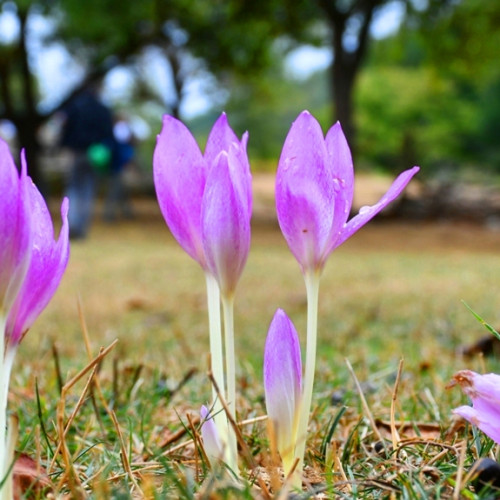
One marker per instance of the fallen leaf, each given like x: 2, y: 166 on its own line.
x: 30, y: 478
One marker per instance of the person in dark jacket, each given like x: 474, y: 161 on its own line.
x: 116, y: 200
x: 88, y: 133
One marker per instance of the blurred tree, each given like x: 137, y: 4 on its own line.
x: 220, y: 36
x: 349, y: 23
x: 469, y: 43
x: 468, y: 36
x: 447, y: 115
x: 267, y: 103
x: 343, y: 25
x: 428, y: 124
x: 18, y: 89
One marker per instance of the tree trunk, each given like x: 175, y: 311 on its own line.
x: 25, y: 118
x: 26, y: 133
x: 172, y: 54
x: 342, y: 83
x: 346, y: 63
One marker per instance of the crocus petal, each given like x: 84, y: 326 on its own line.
x: 484, y: 391
x: 283, y: 383
x: 211, y: 439
x: 240, y: 174
x: 220, y: 139
x: 487, y: 423
x: 367, y: 213
x: 339, y: 155
x: 246, y: 176
x: 15, y: 228
x: 305, y: 192
x: 225, y: 222
x: 48, y: 263
x: 179, y: 176
x: 485, y: 386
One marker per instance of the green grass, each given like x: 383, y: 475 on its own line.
x: 394, y: 291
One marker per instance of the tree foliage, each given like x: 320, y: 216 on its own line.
x: 435, y: 103
x: 219, y: 36
x: 416, y: 100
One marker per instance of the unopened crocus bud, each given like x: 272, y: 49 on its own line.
x: 484, y: 392
x: 212, y: 442
x: 283, y: 384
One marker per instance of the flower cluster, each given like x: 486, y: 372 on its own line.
x: 206, y: 201
x: 314, y: 194
x: 31, y: 267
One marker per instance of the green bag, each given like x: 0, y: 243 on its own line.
x: 99, y: 156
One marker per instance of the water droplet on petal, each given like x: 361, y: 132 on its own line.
x: 337, y: 185
x: 365, y: 210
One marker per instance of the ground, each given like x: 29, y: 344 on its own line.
x: 393, y: 291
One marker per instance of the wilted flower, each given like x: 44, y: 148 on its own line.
x: 314, y: 192
x: 283, y: 384
x: 484, y: 391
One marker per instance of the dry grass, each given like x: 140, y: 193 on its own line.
x: 136, y: 284
x: 393, y: 291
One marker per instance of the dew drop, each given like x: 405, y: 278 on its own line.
x: 365, y: 210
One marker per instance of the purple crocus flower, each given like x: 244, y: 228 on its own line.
x: 211, y: 438
x: 283, y: 384
x: 31, y: 267
x: 47, y: 265
x: 206, y: 201
x: 186, y: 191
x: 314, y: 192
x: 15, y: 228
x: 484, y: 391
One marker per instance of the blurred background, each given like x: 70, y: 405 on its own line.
x: 411, y: 81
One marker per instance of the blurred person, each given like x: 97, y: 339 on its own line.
x: 88, y: 134
x: 117, y: 199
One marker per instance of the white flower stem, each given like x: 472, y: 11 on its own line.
x: 4, y: 391
x: 7, y: 358
x: 312, y: 287
x: 7, y: 492
x: 228, y: 311
x: 217, y: 360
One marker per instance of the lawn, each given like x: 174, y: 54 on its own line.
x: 393, y: 292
